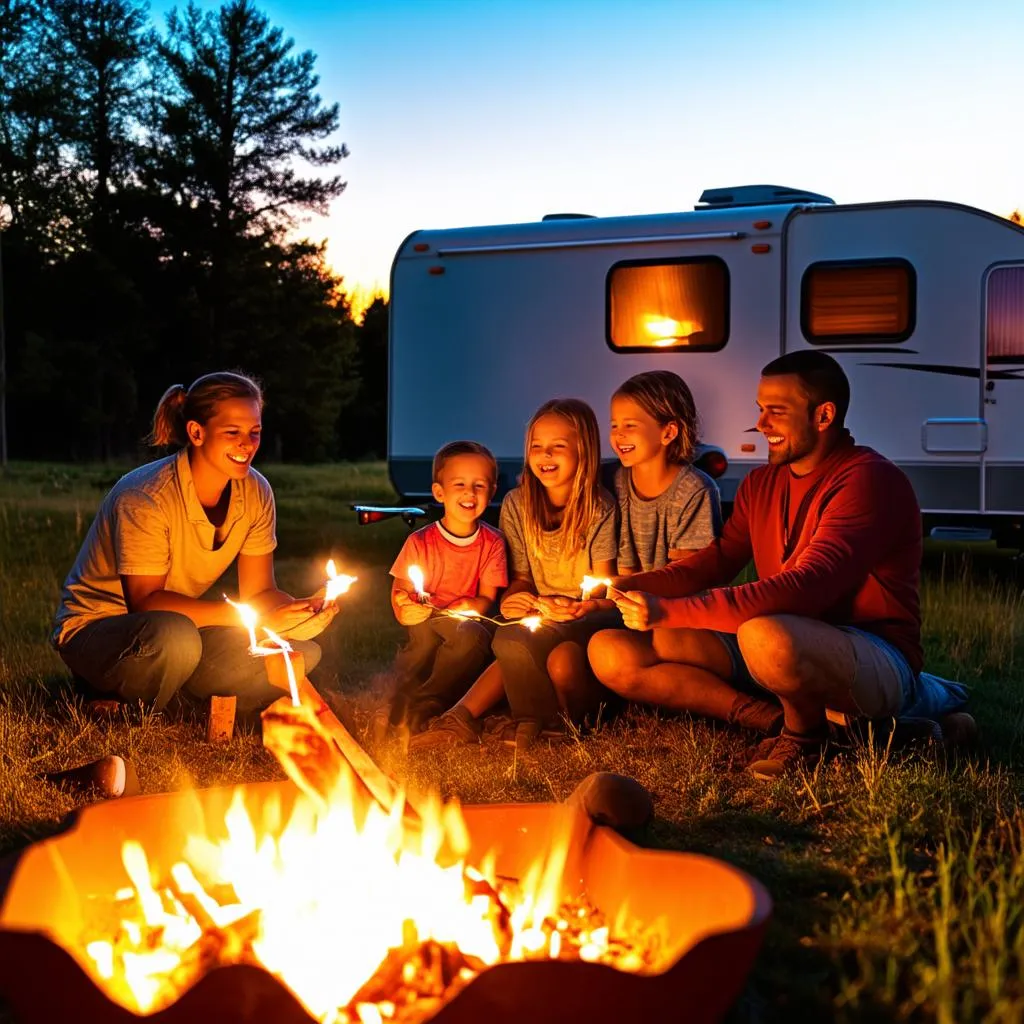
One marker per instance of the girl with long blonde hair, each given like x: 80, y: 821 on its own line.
x: 560, y: 525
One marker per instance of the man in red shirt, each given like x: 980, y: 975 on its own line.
x: 833, y: 620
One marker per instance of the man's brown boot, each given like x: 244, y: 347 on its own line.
x: 761, y: 716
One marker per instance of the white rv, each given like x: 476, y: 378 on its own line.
x: 921, y: 302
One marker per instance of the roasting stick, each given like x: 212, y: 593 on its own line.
x: 314, y: 747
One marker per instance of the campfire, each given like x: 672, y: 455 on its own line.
x: 339, y: 900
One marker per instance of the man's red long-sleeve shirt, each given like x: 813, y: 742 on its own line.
x: 853, y: 528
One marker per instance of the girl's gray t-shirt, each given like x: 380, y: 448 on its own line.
x: 551, y: 570
x: 687, y: 515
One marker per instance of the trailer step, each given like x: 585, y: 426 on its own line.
x: 963, y: 534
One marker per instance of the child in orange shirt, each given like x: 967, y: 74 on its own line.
x: 463, y: 564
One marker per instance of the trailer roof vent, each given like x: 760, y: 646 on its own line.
x: 567, y: 216
x: 756, y: 195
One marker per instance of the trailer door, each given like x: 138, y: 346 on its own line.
x: 882, y: 290
x: 1003, y: 334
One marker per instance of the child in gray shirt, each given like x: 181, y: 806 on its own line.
x: 666, y: 506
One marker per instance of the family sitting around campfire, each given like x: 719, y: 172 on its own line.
x: 580, y: 601
x: 832, y: 621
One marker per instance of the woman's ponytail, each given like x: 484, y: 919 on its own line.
x: 169, y: 419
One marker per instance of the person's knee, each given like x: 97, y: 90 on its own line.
x: 565, y: 665
x: 612, y: 654
x: 507, y: 644
x: 176, y: 638
x: 773, y: 653
x: 471, y: 637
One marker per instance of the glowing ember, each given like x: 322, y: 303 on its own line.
x: 336, y: 584
x: 466, y: 613
x: 531, y: 622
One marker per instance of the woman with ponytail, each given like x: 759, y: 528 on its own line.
x: 131, y: 623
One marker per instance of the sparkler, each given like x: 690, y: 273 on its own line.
x: 416, y: 579
x: 249, y: 619
x: 531, y: 622
x: 590, y: 584
x: 336, y: 584
x: 285, y: 649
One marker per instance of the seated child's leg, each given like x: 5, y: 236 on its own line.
x: 412, y: 666
x: 523, y: 658
x: 579, y: 692
x: 486, y: 692
x: 465, y: 648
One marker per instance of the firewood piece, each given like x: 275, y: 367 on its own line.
x: 498, y: 912
x: 220, y: 724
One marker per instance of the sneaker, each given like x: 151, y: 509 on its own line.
x: 758, y: 752
x: 959, y: 729
x: 788, y: 753
x: 454, y: 728
x: 419, y: 714
x: 105, y: 779
x: 103, y: 710
x: 761, y: 716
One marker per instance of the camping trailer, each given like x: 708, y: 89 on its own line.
x: 921, y: 302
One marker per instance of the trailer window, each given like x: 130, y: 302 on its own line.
x: 1005, y: 316
x: 679, y: 304
x: 855, y: 302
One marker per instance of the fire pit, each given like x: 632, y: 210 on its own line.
x: 707, y: 918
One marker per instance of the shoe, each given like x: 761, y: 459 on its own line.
x: 790, y: 752
x: 761, y: 716
x: 418, y: 715
x: 959, y: 729
x: 758, y: 752
x: 107, y: 778
x: 103, y: 710
x: 454, y: 728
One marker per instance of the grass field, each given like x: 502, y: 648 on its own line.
x: 898, y: 880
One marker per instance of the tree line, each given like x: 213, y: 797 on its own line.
x: 155, y: 180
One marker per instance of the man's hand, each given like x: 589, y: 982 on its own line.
x: 559, y: 608
x: 521, y: 603
x: 639, y: 610
x: 409, y: 611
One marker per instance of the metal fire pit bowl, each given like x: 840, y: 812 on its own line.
x: 716, y: 917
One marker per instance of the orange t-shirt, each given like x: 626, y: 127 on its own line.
x: 453, y: 567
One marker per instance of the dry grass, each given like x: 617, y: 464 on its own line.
x: 898, y: 878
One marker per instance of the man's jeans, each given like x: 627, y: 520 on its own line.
x: 157, y: 657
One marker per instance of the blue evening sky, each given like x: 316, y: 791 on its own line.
x: 463, y: 112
